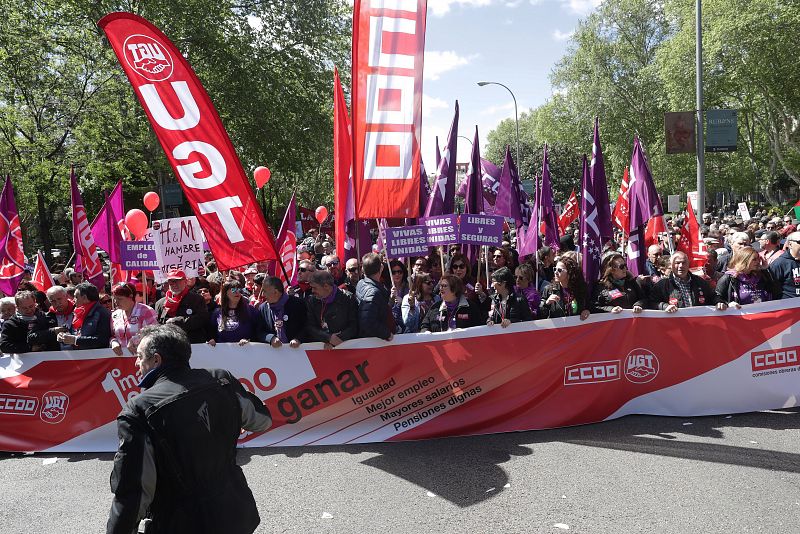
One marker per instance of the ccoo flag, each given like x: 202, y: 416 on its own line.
x: 194, y: 140
x: 571, y: 212
x: 42, y: 278
x: 511, y: 201
x: 643, y: 205
x: 600, y: 187
x: 388, y: 46
x: 591, y: 241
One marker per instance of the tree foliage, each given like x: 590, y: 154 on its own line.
x: 267, y: 65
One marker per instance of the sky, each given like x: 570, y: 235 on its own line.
x: 514, y: 42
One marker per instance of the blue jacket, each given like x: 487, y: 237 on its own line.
x: 373, y: 309
x: 95, y: 331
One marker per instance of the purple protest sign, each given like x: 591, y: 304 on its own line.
x: 442, y: 229
x: 138, y: 255
x: 406, y: 241
x: 481, y: 229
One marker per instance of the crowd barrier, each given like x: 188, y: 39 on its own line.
x: 533, y: 375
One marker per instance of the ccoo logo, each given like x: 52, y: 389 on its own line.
x: 641, y: 366
x: 149, y: 58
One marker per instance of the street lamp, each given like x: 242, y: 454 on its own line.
x: 516, y: 115
x: 467, y: 138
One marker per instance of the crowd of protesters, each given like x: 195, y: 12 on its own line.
x: 335, y: 301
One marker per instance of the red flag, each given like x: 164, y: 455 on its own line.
x: 194, y: 141
x: 655, y: 228
x: 621, y: 214
x: 572, y: 210
x: 87, y: 260
x: 690, y: 242
x: 287, y: 245
x: 42, y: 278
x: 388, y: 44
x: 12, y: 257
x: 342, y: 159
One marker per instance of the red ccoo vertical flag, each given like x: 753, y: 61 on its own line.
x: 690, y: 241
x: 42, y: 278
x: 621, y: 214
x: 572, y: 210
x: 388, y: 45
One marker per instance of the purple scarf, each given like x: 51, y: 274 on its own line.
x: 278, y: 317
x: 451, y: 314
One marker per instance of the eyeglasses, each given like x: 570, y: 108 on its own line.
x: 105, y: 301
x: 304, y: 270
x: 333, y: 263
x: 444, y: 286
x: 559, y: 270
x: 621, y: 267
x: 459, y: 266
x: 235, y: 290
x: 498, y: 256
x: 350, y: 270
x: 397, y: 271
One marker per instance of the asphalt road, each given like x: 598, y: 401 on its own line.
x: 728, y: 474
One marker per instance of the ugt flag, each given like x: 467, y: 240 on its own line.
x: 12, y: 257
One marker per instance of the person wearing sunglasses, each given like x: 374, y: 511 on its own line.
x: 786, y: 268
x: 352, y: 274
x: 418, y: 303
x: 455, y: 311
x: 305, y: 269
x: 506, y: 306
x: 333, y: 265
x: 235, y: 321
x: 566, y: 295
x: 617, y: 289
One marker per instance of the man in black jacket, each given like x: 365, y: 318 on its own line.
x: 332, y: 312
x: 373, y: 301
x: 282, y: 316
x: 28, y: 329
x: 183, y: 308
x: 786, y: 269
x: 176, y: 464
x: 682, y: 289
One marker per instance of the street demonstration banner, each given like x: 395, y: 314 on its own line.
x: 388, y: 46
x: 194, y: 140
x: 534, y: 375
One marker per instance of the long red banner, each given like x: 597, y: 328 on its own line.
x: 193, y: 138
x: 388, y: 46
x: 533, y: 375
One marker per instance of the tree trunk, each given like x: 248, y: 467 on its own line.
x: 44, y: 227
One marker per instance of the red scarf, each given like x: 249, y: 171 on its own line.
x: 174, y: 301
x: 304, y: 286
x: 80, y: 314
x: 70, y: 308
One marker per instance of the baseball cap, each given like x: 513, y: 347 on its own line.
x: 176, y: 274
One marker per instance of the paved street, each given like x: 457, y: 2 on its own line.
x: 638, y: 474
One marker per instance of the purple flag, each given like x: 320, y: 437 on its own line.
x: 490, y: 178
x: 106, y: 226
x: 644, y: 204
x: 443, y: 196
x: 512, y: 201
x: 438, y: 153
x: 86, y: 258
x: 356, y: 230
x: 424, y: 192
x: 473, y: 201
x: 12, y: 257
x: 600, y: 187
x: 591, y: 243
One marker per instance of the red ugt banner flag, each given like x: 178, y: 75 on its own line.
x: 572, y: 211
x: 194, y: 140
x: 388, y: 45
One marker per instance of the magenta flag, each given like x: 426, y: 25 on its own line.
x: 438, y: 153
x: 511, y: 200
x: 443, y: 195
x: 548, y: 211
x: 286, y: 243
x: 106, y: 227
x: 644, y: 204
x: 591, y: 244
x: 86, y: 257
x: 12, y: 256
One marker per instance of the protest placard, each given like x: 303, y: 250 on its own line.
x: 406, y: 241
x: 442, y: 229
x: 138, y: 255
x: 178, y: 244
x: 481, y: 229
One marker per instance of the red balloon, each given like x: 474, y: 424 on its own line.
x: 151, y: 201
x: 261, y: 174
x: 136, y: 221
x: 321, y: 213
